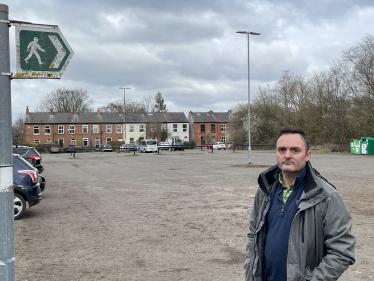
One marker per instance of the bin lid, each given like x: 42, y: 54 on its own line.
x: 367, y: 138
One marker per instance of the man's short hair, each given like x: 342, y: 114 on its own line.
x: 295, y: 131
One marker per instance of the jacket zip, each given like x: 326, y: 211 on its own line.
x: 302, y: 226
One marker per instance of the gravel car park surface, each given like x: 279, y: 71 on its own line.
x: 173, y: 216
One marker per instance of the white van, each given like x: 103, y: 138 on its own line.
x: 148, y: 145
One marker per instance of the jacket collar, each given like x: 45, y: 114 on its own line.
x: 266, y: 179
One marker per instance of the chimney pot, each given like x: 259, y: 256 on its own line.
x: 98, y: 111
x: 51, y: 111
x: 75, y: 110
x: 27, y: 110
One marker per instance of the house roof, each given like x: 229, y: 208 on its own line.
x: 104, y: 117
x: 210, y: 117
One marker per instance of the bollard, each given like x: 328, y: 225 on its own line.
x: 233, y: 145
x: 212, y: 148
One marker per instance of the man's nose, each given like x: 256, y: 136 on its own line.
x: 287, y: 154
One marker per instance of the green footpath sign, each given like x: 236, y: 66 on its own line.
x: 41, y: 52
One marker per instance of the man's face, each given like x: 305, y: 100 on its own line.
x: 291, y: 153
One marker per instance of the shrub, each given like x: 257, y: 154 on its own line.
x: 44, y: 147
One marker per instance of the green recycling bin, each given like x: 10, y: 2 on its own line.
x: 367, y: 145
x: 355, y: 146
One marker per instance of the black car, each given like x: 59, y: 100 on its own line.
x: 70, y: 148
x: 31, y: 155
x: 26, y: 186
x: 177, y: 146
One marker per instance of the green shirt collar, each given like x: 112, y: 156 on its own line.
x: 281, y: 182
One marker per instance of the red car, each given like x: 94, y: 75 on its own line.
x: 209, y: 145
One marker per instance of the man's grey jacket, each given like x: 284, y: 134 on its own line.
x: 320, y: 246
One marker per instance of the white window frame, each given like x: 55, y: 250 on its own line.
x: 73, y: 142
x: 223, y: 139
x: 109, y: 129
x: 175, y: 128
x: 71, y: 129
x: 47, y: 127
x: 36, y: 130
x: 163, y: 127
x: 48, y: 141
x: 131, y: 128
x: 60, y: 129
x: 141, y: 128
x: 223, y: 128
x: 83, y: 131
x: 132, y: 140
x: 85, y: 140
x: 119, y: 128
x: 95, y: 129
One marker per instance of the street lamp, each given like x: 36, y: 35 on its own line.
x: 124, y: 107
x: 249, y: 95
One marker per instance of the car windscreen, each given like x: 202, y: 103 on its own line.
x: 151, y: 142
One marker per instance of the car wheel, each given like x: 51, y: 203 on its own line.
x: 19, y: 206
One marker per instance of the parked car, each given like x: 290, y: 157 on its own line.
x: 178, y: 146
x: 108, y: 148
x: 70, y: 148
x: 219, y: 146
x: 209, y: 145
x: 31, y: 155
x: 26, y: 185
x: 128, y: 147
x: 164, y: 145
x: 55, y: 149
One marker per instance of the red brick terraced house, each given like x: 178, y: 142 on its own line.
x: 93, y: 128
x: 214, y: 123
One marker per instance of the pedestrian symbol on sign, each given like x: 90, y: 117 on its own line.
x: 33, y: 47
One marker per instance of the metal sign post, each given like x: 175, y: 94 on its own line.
x: 7, y: 265
x: 42, y: 52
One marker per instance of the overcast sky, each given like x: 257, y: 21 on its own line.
x: 188, y: 50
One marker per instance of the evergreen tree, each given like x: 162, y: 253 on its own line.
x: 160, y: 103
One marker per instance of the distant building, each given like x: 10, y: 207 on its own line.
x: 98, y: 128
x: 214, y: 123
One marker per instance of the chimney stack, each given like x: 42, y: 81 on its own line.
x: 27, y: 110
x: 211, y: 112
x: 98, y: 111
x: 120, y: 110
x: 51, y: 111
x: 75, y: 110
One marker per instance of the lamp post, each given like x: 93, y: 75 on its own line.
x: 249, y: 96
x: 124, y: 107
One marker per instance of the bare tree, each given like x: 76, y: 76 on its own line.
x: 64, y: 100
x: 146, y: 104
x: 18, y: 129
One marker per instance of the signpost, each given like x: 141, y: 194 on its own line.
x: 42, y: 52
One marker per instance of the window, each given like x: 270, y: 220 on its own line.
x: 131, y: 128
x: 48, y: 141
x: 175, y: 128
x: 223, y: 127
x: 153, y: 128
x: 120, y: 139
x: 108, y: 140
x: 85, y: 142
x: 72, y: 129
x: 61, y: 129
x: 95, y: 129
x: 108, y: 128
x: 163, y: 127
x: 36, y: 130
x: 119, y: 128
x: 223, y: 139
x: 184, y: 127
x: 47, y: 130
x: 85, y: 129
x: 212, y: 128
x: 36, y: 141
x: 202, y: 128
x: 131, y: 140
x: 141, y: 128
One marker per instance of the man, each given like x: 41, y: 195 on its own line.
x: 300, y: 228
x: 33, y: 47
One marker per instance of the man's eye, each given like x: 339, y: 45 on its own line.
x: 281, y: 149
x: 296, y: 150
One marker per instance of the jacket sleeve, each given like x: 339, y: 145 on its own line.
x: 339, y: 242
x: 249, y: 255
